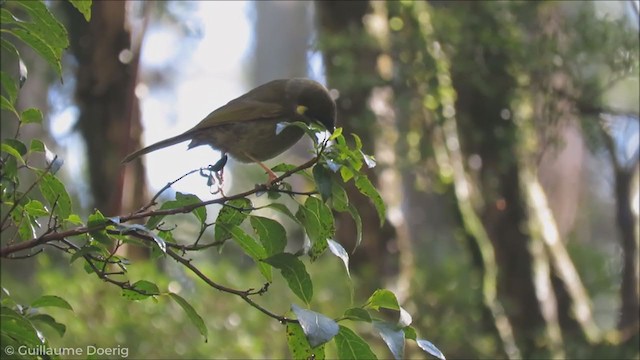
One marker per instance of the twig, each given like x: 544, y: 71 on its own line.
x: 245, y: 295
x: 24, y: 194
x: 54, y: 236
x: 28, y: 255
x: 164, y: 188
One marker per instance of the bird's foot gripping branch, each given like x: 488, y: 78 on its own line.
x: 96, y: 241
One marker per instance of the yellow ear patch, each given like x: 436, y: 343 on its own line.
x: 301, y: 109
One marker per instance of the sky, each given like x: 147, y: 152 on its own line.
x: 209, y: 80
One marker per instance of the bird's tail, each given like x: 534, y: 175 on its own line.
x: 159, y: 145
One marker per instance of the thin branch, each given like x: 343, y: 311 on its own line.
x: 102, y: 274
x: 148, y: 238
x: 28, y: 255
x: 56, y: 236
x: 24, y: 194
x: 244, y: 295
x: 165, y: 188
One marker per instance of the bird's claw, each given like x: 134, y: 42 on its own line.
x: 215, y: 175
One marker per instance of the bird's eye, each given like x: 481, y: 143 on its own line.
x: 301, y: 109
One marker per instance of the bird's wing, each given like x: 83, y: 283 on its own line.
x: 240, y: 110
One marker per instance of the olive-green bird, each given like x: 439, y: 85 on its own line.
x: 245, y: 127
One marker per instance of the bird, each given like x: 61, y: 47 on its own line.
x: 245, y: 127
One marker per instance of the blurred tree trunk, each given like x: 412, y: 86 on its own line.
x: 505, y: 122
x: 109, y: 110
x: 627, y: 225
x: 485, y: 134
x: 625, y: 174
x: 282, y: 34
x: 280, y: 51
x: 109, y: 119
x: 350, y: 55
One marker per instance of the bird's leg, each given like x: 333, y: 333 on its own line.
x: 215, y: 174
x: 271, y: 174
x: 219, y: 165
x: 218, y: 168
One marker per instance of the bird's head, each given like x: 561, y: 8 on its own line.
x: 313, y: 101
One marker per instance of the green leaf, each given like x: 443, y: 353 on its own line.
x: 4, y: 147
x: 309, y: 128
x: 283, y: 167
x: 48, y: 53
x: 9, y: 86
x: 35, y: 208
x: 427, y: 346
x: 141, y: 290
x: 317, y: 220
x: 382, y: 298
x: 230, y: 215
x: 367, y: 189
x: 30, y: 116
x: 42, y: 23
x: 323, y: 180
x: 74, y: 219
x: 357, y: 140
x: 339, y: 198
x: 404, y: 318
x: 37, y: 146
x: 143, y: 230
x: 252, y: 248
x: 181, y: 200
x: 358, y: 221
x: 85, y: 250
x: 337, y: 132
x: 188, y: 199
x: 352, y: 346
x: 49, y: 321
x: 392, y: 336
x: 271, y: 233
x: 18, y: 328
x: 22, y: 69
x: 317, y: 328
x: 42, y: 31
x: 295, y: 273
x: 410, y: 333
x: 18, y: 145
x: 10, y: 173
x: 192, y: 314
x: 299, y: 345
x: 23, y: 222
x: 282, y: 208
x: 339, y: 251
x: 84, y: 6
x: 369, y: 160
x: 56, y: 195
x: 87, y: 267
x: 5, y: 104
x: 51, y: 300
x: 100, y: 235
x: 357, y: 314
x: 346, y: 173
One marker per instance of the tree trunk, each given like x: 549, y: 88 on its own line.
x: 630, y: 308
x: 109, y: 110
